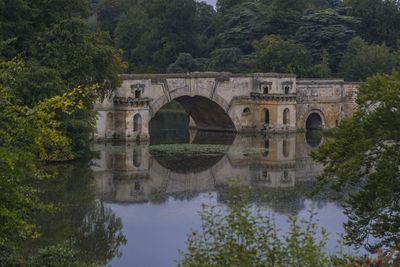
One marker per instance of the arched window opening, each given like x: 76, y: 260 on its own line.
x: 138, y: 93
x: 246, y: 111
x: 285, y: 148
x: 287, y: 89
x: 266, y: 89
x: 266, y: 116
x: 314, y: 121
x: 137, y: 123
x: 265, y: 177
x: 286, y: 117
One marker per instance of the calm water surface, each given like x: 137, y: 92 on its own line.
x: 156, y: 189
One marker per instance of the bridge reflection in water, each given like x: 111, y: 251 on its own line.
x: 128, y: 173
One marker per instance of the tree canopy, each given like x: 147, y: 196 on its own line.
x: 379, y: 20
x: 363, y: 159
x: 52, y: 70
x: 153, y: 34
x: 273, y: 54
x: 362, y: 60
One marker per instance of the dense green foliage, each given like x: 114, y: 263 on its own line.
x: 240, y: 236
x: 363, y: 160
x: 273, y: 54
x: 151, y: 42
x: 57, y: 57
x: 379, y: 20
x: 59, y: 54
x: 185, y: 35
x: 362, y: 60
x: 52, y: 69
x: 29, y: 136
x: 326, y: 30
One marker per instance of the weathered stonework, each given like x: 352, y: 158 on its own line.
x: 225, y: 102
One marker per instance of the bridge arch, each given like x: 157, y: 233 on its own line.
x: 315, y: 120
x: 209, y: 113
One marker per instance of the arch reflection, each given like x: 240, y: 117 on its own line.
x: 273, y: 164
x: 314, y: 138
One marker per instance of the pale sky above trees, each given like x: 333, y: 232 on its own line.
x: 211, y: 2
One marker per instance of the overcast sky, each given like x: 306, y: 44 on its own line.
x: 211, y: 2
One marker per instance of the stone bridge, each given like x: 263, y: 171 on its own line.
x: 268, y: 102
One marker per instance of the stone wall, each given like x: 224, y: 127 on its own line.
x: 224, y: 102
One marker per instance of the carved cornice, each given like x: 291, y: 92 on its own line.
x: 274, y: 97
x: 130, y: 101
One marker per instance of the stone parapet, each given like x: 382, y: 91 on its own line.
x: 226, y: 102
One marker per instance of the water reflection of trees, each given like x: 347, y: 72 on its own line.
x: 99, y: 236
x: 92, y: 229
x: 290, y: 200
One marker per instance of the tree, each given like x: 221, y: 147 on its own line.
x: 362, y: 60
x: 243, y: 24
x: 225, y: 59
x: 206, y: 22
x: 108, y: 14
x: 322, y: 69
x: 186, y: 63
x: 326, y: 30
x: 380, y: 20
x: 29, y: 135
x: 153, y: 33
x: 274, y: 54
x: 59, y: 54
x: 286, y: 16
x: 363, y: 160
x: 224, y: 5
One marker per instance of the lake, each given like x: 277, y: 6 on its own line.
x: 156, y: 189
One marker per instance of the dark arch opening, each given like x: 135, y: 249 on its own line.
x: 314, y: 122
x: 266, y: 116
x: 207, y: 114
x: 285, y: 148
x: 266, y: 89
x: 286, y: 116
x: 170, y: 125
